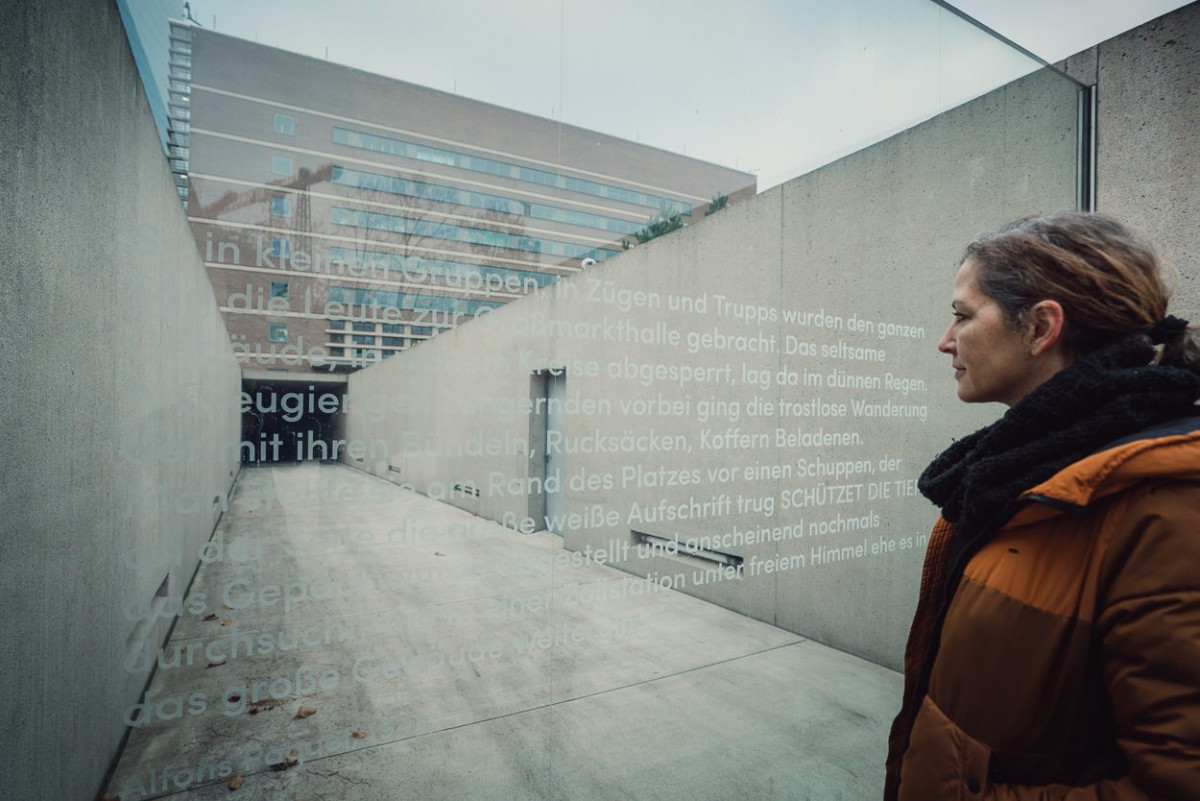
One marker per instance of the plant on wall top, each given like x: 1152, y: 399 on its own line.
x: 659, y: 224
x: 718, y: 202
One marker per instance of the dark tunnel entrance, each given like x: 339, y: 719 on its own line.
x: 291, y: 421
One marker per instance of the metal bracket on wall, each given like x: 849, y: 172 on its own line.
x: 467, y: 488
x: 672, y: 547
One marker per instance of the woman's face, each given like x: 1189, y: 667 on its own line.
x: 991, y: 361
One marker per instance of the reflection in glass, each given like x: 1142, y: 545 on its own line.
x: 718, y: 423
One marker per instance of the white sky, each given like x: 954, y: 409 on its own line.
x: 775, y: 87
x: 1055, y: 29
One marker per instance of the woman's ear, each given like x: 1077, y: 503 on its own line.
x: 1045, y: 326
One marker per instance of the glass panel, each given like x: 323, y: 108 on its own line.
x: 550, y: 486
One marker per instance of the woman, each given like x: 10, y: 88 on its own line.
x: 1055, y: 652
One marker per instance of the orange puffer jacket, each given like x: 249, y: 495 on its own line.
x: 1069, y: 660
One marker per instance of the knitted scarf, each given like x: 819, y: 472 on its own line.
x: 1102, y: 397
x: 1110, y: 393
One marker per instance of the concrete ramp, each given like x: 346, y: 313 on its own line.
x: 348, y: 639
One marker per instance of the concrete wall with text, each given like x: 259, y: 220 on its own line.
x: 1148, y: 138
x: 119, y: 399
x: 757, y: 392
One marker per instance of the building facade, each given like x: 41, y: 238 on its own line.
x: 345, y: 216
x: 146, y: 26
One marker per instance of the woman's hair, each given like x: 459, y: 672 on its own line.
x: 1106, y: 279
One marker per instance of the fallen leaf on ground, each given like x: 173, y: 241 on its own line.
x: 267, y: 703
x: 358, y: 734
x: 215, y: 664
x: 236, y: 782
x: 290, y: 762
x: 305, y: 711
x: 211, y: 616
x: 226, y: 622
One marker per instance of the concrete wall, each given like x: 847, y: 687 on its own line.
x: 1148, y: 137
x: 119, y: 397
x: 838, y: 284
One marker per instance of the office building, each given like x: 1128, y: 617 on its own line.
x: 345, y: 216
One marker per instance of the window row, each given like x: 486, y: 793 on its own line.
x: 408, y: 301
x: 480, y: 200
x: 392, y: 335
x: 373, y: 328
x: 475, y: 277
x: 461, y: 233
x: 450, y: 158
x: 416, y: 268
x: 366, y: 355
x: 179, y: 113
x: 388, y: 328
x: 370, y: 341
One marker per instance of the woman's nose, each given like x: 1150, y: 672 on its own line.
x: 946, y: 345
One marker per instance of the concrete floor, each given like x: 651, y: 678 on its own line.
x: 447, y: 657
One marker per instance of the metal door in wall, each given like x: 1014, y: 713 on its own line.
x: 555, y: 389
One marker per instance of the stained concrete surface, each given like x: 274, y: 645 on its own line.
x: 1147, y: 144
x: 119, y: 404
x: 446, y: 656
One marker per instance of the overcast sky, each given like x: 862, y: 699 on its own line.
x: 775, y: 87
x: 1055, y: 29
